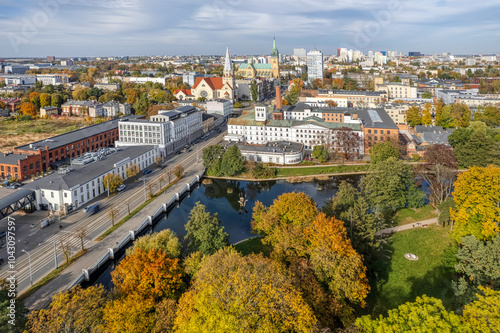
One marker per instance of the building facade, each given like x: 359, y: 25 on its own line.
x: 251, y: 70
x: 314, y: 65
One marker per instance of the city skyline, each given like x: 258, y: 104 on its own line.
x: 129, y: 27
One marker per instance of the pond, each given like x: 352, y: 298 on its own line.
x: 222, y: 197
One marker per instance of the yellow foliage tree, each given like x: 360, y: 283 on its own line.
x: 45, y: 100
x: 477, y: 201
x: 112, y: 181
x: 130, y: 314
x: 75, y: 310
x: 232, y: 293
x: 483, y: 315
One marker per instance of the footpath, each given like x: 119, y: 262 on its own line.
x: 42, y: 297
x: 420, y: 224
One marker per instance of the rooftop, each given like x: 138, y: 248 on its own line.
x: 80, y: 134
x: 376, y: 118
x: 11, y: 159
x: 272, y: 147
x: 83, y: 174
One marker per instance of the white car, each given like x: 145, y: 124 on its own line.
x: 121, y: 188
x: 85, y: 209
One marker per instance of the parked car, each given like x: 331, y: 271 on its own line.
x: 178, y: 152
x: 147, y: 171
x: 121, y: 188
x: 13, y: 186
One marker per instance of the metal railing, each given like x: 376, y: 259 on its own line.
x: 106, y: 257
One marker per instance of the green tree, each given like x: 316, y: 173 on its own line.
x: 383, y: 151
x: 321, y: 153
x: 210, y: 154
x: 390, y: 185
x: 254, y: 91
x: 478, y: 149
x: 478, y: 264
x: 75, y: 310
x: 233, y: 293
x: 204, y: 231
x: 426, y: 314
x: 232, y: 162
x: 165, y: 240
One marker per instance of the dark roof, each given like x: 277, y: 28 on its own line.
x: 435, y: 137
x: 86, y: 173
x: 14, y: 197
x: 11, y: 159
x: 376, y: 118
x: 350, y: 92
x: 80, y: 134
x: 301, y: 106
x: 425, y: 128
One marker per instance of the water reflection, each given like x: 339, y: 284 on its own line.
x: 224, y: 197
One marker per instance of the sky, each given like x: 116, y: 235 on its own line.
x: 85, y: 28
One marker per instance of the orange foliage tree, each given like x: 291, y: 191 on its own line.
x: 149, y: 274
x: 28, y: 108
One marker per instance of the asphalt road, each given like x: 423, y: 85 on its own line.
x: 41, y: 248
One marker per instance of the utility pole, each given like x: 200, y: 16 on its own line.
x: 107, y: 181
x: 55, y: 254
x: 145, y: 194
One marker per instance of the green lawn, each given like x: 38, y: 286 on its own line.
x: 290, y: 172
x: 253, y: 245
x: 400, y: 280
x: 410, y: 215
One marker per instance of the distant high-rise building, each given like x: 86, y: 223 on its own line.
x: 314, y: 65
x: 414, y: 54
x: 300, y: 53
x: 51, y: 58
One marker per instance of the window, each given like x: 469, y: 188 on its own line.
x: 369, y: 131
x: 51, y: 194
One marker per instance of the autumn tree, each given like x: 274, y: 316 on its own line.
x: 383, y: 151
x: 131, y: 313
x: 45, y: 100
x: 246, y: 294
x: 335, y: 262
x: 413, y: 116
x: 204, y: 231
x: 28, y: 109
x: 347, y: 143
x: 283, y: 223
x: 482, y: 315
x: 439, y: 171
x: 74, y: 310
x: 490, y: 115
x: 113, y: 213
x: 165, y: 240
x: 426, y: 314
x: 426, y: 115
x: 178, y: 171
x: 477, y: 203
x: 111, y: 182
x: 151, y: 275
x: 132, y: 170
x: 390, y: 185
x: 320, y: 152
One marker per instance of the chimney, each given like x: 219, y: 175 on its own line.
x: 278, y: 98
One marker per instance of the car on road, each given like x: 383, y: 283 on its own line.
x: 86, y: 208
x: 178, y: 152
x: 92, y: 209
x: 121, y: 188
x: 147, y: 171
x: 14, y: 186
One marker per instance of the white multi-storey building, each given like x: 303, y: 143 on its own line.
x: 18, y: 79
x: 83, y: 182
x: 396, y: 90
x: 169, y: 129
x: 314, y: 65
x: 256, y: 127
x: 223, y: 107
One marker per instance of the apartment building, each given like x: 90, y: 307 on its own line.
x: 169, y: 129
x: 347, y: 98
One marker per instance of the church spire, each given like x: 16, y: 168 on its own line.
x: 228, y: 67
x: 275, y: 53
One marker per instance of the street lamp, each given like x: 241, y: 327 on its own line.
x: 29, y: 260
x: 145, y: 194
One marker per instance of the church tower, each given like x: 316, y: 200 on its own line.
x: 275, y: 61
x: 228, y: 76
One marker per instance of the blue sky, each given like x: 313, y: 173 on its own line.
x: 67, y: 28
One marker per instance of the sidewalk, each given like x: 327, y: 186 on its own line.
x: 420, y: 224
x: 43, y: 296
